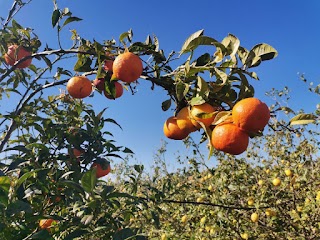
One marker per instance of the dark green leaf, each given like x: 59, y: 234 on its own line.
x: 127, y: 150
x: 71, y: 19
x: 42, y: 234
x: 203, y: 59
x: 47, y: 61
x: 18, y: 207
x: 181, y: 90
x: 138, y: 168
x: 123, y: 234
x: 166, y: 105
x: 76, y: 234
x: 83, y: 64
x: 55, y: 17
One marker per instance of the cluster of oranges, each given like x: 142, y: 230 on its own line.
x: 126, y: 67
x: 248, y: 117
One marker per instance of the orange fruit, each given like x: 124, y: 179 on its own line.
x: 172, y: 131
x: 77, y: 152
x: 229, y: 139
x: 46, y: 223
x: 118, y: 88
x: 15, y: 53
x: 184, y: 120
x: 100, y: 172
x: 251, y: 115
x: 200, y: 109
x: 79, y: 87
x: 99, y: 83
x: 127, y: 67
x: 108, y: 65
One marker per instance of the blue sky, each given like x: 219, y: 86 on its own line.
x: 292, y: 27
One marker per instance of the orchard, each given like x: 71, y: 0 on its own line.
x: 56, y: 154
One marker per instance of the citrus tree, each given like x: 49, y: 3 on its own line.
x: 55, y: 148
x: 271, y: 192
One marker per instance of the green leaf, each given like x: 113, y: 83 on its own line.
x: 87, y: 219
x: 181, y: 90
x: 166, y: 105
x: 74, y: 185
x: 260, y: 52
x: 83, y: 64
x: 138, y: 168
x: 71, y: 19
x: 221, y: 117
x: 303, y: 118
x: 201, y: 40
x: 18, y: 207
x: 185, y: 47
x: 16, y: 25
x: 47, y: 61
x: 243, y: 54
x: 232, y: 44
x: 127, y: 150
x: 5, y: 183
x: 197, y: 101
x: 221, y: 75
x: 124, y: 35
x: 76, y: 234
x: 203, y: 59
x: 55, y: 17
x: 123, y: 234
x: 203, y: 86
x: 25, y: 176
x: 110, y: 89
x: 42, y: 234
x: 89, y: 180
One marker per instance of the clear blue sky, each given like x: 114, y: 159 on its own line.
x: 292, y: 27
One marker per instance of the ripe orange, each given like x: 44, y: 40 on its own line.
x: 204, y: 108
x: 15, y: 53
x: 127, y: 67
x: 119, y: 90
x: 46, y: 223
x: 251, y: 115
x: 77, y: 152
x: 100, y: 172
x: 184, y: 120
x: 79, y: 87
x: 172, y: 131
x: 108, y: 65
x: 99, y: 83
x: 229, y: 139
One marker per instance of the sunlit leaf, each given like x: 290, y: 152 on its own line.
x: 89, y: 180
x: 185, y: 47
x: 260, y: 52
x: 303, y: 118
